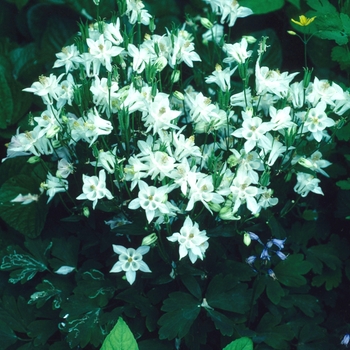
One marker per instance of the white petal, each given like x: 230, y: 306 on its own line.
x: 64, y: 270
x: 144, y: 267
x: 143, y: 249
x: 130, y: 276
x: 119, y: 249
x: 117, y: 267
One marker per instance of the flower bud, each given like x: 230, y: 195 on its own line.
x: 33, y: 160
x: 250, y: 39
x: 160, y: 63
x: 152, y: 25
x: 226, y: 213
x: 150, y: 239
x: 216, y: 207
x: 52, y: 131
x: 246, y: 239
x: 206, y: 23
x: 291, y: 32
x: 86, y: 212
x: 179, y: 95
x: 175, y: 76
x: 305, y: 163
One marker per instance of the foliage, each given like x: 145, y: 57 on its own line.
x: 170, y: 185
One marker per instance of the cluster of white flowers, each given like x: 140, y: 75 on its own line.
x: 145, y: 138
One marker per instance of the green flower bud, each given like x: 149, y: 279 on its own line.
x: 175, y: 76
x: 214, y: 206
x: 52, y: 131
x: 206, y: 23
x: 86, y: 212
x: 33, y: 160
x: 161, y: 63
x: 150, y: 239
x: 305, y: 163
x: 246, y: 239
x: 179, y: 95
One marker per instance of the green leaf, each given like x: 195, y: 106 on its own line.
x: 227, y: 294
x: 274, y: 291
x: 6, y: 100
x: 192, y: 285
x: 343, y: 134
x: 7, y: 335
x: 222, y: 323
x: 273, y: 334
x: 342, y: 56
x: 28, y: 219
x: 42, y: 330
x: 323, y: 254
x: 289, y: 272
x: 181, y: 311
x: 329, y: 277
x: 120, y: 338
x: 296, y: 3
x: 261, y: 7
x: 240, y: 344
x: 23, y: 267
x: 308, y: 304
x: 322, y: 6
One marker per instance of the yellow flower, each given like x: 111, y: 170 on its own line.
x: 303, y: 21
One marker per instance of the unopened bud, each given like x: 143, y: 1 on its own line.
x: 246, y: 239
x: 179, y: 95
x: 150, y: 239
x: 206, y: 23
x: 52, y: 131
x: 161, y: 63
x: 175, y: 76
x: 305, y: 163
x: 291, y: 32
x: 33, y: 160
x: 250, y: 39
x: 86, y: 212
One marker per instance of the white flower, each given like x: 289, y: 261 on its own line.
x: 281, y: 118
x: 102, y: 52
x: 135, y: 11
x: 54, y: 185
x: 201, y: 189
x: 94, y: 188
x: 237, y: 52
x: 94, y: 126
x: 192, y: 241
x: 317, y: 121
x: 221, y: 77
x: 215, y: 33
x: 68, y: 57
x: 64, y: 168
x: 130, y: 261
x: 272, y: 81
x: 107, y: 160
x: 307, y: 183
x: 253, y: 130
x: 152, y: 199
x: 26, y: 199
x: 112, y: 32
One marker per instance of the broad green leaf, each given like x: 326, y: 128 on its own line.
x: 23, y: 266
x: 290, y: 271
x: 7, y: 335
x: 296, y: 3
x: 192, y: 285
x: 41, y: 331
x: 155, y: 344
x: 45, y: 291
x: 28, y: 219
x: 225, y: 293
x: 222, y: 322
x: 330, y: 278
x: 65, y: 252
x: 308, y: 304
x: 240, y: 344
x: 274, y: 334
x: 6, y: 100
x: 343, y: 134
x: 338, y: 36
x: 261, y: 7
x: 322, y: 6
x: 120, y: 338
x: 274, y: 291
x: 181, y: 311
x: 341, y: 55
x: 323, y: 254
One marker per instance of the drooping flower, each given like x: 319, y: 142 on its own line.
x: 94, y: 188
x: 192, y: 241
x: 54, y: 185
x: 307, y: 183
x: 237, y: 52
x: 130, y: 261
x: 346, y: 340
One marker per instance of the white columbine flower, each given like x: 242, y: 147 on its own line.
x: 317, y: 121
x: 221, y: 77
x: 130, y: 261
x: 68, y: 57
x: 237, y: 52
x: 214, y: 34
x: 307, y: 183
x: 54, y: 185
x: 192, y: 241
x: 94, y: 188
x: 152, y: 199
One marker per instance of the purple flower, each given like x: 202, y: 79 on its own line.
x: 346, y: 339
x: 272, y: 274
x: 250, y: 260
x: 277, y: 242
x: 281, y: 255
x: 265, y: 254
x: 253, y: 236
